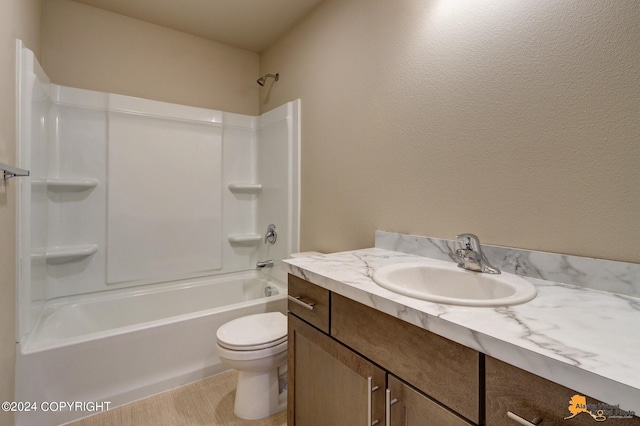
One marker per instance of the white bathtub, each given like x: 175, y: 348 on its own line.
x: 127, y: 344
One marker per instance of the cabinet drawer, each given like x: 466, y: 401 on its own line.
x: 312, y: 296
x: 446, y: 371
x: 511, y: 389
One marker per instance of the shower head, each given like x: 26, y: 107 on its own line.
x: 264, y: 78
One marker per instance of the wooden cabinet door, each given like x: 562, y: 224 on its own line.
x: 409, y: 407
x: 328, y: 383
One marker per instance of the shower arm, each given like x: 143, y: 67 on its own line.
x: 262, y: 80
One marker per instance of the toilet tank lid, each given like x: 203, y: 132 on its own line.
x: 253, y: 330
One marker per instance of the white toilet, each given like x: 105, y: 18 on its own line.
x: 256, y: 346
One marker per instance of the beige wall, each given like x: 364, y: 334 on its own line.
x: 518, y: 121
x: 93, y: 49
x: 18, y: 19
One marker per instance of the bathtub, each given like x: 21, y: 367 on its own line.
x: 123, y: 345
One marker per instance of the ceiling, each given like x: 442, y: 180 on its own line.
x: 248, y: 24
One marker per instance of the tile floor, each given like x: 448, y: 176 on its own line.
x: 208, y: 402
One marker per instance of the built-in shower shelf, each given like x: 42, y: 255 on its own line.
x: 244, y: 239
x: 63, y: 254
x: 245, y: 188
x: 71, y: 184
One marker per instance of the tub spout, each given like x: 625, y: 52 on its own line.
x: 264, y: 264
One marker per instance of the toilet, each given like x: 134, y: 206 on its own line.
x: 256, y: 346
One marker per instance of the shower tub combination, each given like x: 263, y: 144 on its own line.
x: 128, y: 344
x: 139, y: 230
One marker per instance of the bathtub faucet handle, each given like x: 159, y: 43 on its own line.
x: 272, y: 234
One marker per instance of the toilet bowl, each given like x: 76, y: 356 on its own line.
x: 256, y: 346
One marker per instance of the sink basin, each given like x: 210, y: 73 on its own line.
x: 444, y: 282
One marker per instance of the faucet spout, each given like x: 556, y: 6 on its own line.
x: 264, y: 264
x: 471, y: 257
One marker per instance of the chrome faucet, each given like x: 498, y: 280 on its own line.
x: 470, y: 257
x: 272, y: 234
x: 264, y: 264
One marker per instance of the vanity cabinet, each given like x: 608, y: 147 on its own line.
x: 512, y: 394
x: 417, y: 377
x: 329, y: 371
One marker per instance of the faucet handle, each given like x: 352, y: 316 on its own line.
x: 272, y: 234
x: 470, y: 241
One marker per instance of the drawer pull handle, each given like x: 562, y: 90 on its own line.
x: 370, y: 390
x: 522, y: 421
x: 297, y: 300
x: 369, y: 399
x: 389, y: 402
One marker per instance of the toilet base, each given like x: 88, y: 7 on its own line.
x: 258, y: 395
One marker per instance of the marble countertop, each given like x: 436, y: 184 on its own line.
x: 584, y: 339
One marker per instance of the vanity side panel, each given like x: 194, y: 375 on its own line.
x: 446, y: 371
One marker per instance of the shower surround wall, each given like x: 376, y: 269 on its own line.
x: 127, y: 191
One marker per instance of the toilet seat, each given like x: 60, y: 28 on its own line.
x: 253, y: 332
x: 228, y: 355
x: 251, y: 347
